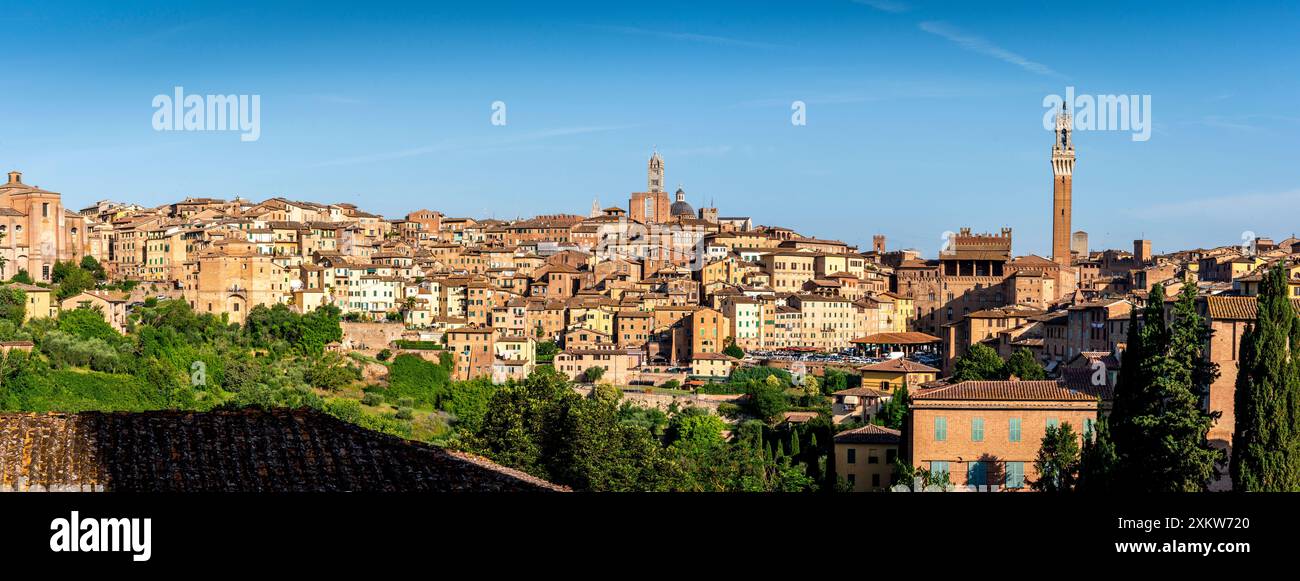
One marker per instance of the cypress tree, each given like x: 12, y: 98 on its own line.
x: 1264, y: 440
x: 1158, y: 422
x: 794, y: 443
x: 1098, y: 460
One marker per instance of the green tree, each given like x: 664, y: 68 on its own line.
x: 72, y: 280
x: 979, y: 363
x: 893, y: 414
x: 546, y: 351
x: 1158, y: 423
x: 1098, y: 461
x: 593, y: 374
x: 1024, y: 366
x: 13, y: 305
x: 1266, y: 437
x: 88, y: 323
x: 768, y: 399
x: 23, y: 277
x: 1058, y: 460
x: 734, y: 350
x: 96, y: 270
x: 811, y: 387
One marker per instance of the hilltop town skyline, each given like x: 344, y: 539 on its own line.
x: 920, y: 117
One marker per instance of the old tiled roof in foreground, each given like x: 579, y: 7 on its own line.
x: 232, y: 451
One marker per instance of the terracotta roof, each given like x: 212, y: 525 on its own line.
x: 869, y: 434
x: 245, y: 450
x: 1042, y: 390
x: 905, y: 338
x: 862, y: 392
x: 1235, y: 308
x: 900, y: 365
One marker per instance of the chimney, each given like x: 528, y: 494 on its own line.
x: 15, y: 177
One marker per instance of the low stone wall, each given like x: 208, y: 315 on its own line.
x: 370, y: 337
x: 663, y: 400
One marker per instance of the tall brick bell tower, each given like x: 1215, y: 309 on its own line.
x: 1062, y: 172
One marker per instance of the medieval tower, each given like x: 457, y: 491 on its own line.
x: 1062, y: 172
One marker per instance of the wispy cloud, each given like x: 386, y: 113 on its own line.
x: 477, y: 144
x: 890, y: 6
x: 982, y: 46
x: 689, y: 37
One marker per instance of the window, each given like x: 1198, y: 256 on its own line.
x: 940, y: 429
x: 938, y: 467
x: 873, y: 459
x: 1053, y: 422
x: 976, y: 473
x: 1088, y: 426
x: 977, y: 430
x: 875, y: 480
x: 890, y: 455
x: 1015, y: 475
x: 1013, y: 430
x: 853, y: 456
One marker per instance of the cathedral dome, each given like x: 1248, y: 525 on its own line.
x: 681, y: 207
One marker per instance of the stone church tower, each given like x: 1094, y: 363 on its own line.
x: 655, y: 174
x: 651, y: 206
x: 1062, y: 172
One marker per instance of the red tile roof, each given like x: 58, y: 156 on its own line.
x: 900, y: 365
x: 1233, y: 308
x: 1041, y: 390
x: 869, y: 434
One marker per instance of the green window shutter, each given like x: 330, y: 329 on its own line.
x: 1015, y: 475
x: 1053, y: 422
x: 938, y: 467
x: 1013, y: 430
x: 940, y: 429
x: 977, y: 430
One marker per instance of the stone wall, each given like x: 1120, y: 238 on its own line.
x: 370, y: 337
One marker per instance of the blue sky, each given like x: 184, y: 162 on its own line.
x: 922, y: 117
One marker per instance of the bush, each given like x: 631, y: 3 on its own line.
x: 417, y: 345
x: 410, y: 376
x: 67, y: 350
x: 384, y: 355
x: 468, y: 402
x: 13, y: 305
x: 748, y: 374
x: 404, y: 414
x: 730, y: 410
x: 372, y: 399
x: 87, y: 323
